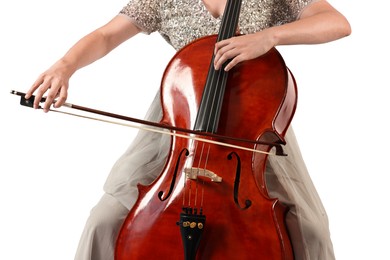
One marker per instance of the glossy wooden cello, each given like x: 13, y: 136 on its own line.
x: 211, y: 201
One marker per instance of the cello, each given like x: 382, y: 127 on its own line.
x: 211, y: 201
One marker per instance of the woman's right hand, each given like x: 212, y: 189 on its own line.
x: 53, y: 84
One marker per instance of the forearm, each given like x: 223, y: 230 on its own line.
x: 54, y: 82
x: 97, y: 44
x: 319, y: 23
x: 87, y: 50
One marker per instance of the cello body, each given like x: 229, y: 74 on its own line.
x: 243, y: 222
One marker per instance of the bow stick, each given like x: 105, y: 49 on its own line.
x: 278, y: 148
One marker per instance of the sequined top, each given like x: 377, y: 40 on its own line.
x: 182, y: 21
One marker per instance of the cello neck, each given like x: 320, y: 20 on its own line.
x: 211, y: 104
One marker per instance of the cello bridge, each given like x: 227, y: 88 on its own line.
x: 193, y: 173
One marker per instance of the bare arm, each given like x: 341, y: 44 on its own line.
x: 319, y: 23
x: 55, y: 81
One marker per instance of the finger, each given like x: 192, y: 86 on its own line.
x: 34, y: 87
x: 50, y: 98
x: 224, y: 55
x: 52, y: 94
x: 233, y: 62
x: 220, y: 58
x: 63, y: 95
x: 220, y: 45
x: 219, y: 49
x: 40, y: 91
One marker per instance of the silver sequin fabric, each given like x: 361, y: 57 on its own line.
x: 182, y: 21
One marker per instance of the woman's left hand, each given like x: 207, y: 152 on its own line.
x: 241, y: 48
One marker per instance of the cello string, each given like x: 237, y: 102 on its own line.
x: 165, y: 132
x: 198, y: 169
x: 204, y: 169
x: 218, y: 81
x: 197, y: 176
x: 188, y: 162
x: 193, y: 152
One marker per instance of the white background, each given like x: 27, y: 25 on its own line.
x: 53, y: 166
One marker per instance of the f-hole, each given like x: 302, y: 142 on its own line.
x: 248, y: 203
x: 161, y: 193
